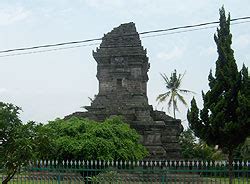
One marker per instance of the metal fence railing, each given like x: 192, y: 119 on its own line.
x: 134, y: 172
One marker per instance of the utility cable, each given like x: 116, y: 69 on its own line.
x: 98, y: 39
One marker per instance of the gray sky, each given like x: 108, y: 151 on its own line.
x: 54, y: 84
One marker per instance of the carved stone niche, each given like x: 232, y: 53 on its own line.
x: 122, y: 66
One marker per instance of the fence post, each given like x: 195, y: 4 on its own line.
x: 58, y: 179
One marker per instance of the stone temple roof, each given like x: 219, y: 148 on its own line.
x: 121, y: 41
x: 124, y: 35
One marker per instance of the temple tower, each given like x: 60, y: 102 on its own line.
x: 122, y: 66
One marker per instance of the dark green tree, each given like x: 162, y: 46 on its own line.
x: 174, y: 91
x: 224, y: 119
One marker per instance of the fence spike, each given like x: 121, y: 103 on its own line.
x: 233, y: 163
x: 193, y: 163
x: 116, y: 163
x: 112, y: 163
x: 184, y: 163
x: 242, y: 163
x: 91, y: 162
x: 79, y: 162
x: 151, y: 163
x: 215, y: 163
x: 159, y: 163
x: 175, y: 163
x: 206, y: 163
x: 170, y: 163
x: 63, y: 162
x: 134, y: 163
x: 166, y: 163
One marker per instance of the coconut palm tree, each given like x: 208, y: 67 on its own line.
x: 173, y: 85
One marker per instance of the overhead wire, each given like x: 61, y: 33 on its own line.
x: 99, y: 39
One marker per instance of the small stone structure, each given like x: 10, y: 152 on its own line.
x: 122, y: 66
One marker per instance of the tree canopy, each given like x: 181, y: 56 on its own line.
x: 79, y: 139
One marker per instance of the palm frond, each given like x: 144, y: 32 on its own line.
x: 165, y: 78
x: 181, y: 98
x: 186, y: 91
x: 162, y: 97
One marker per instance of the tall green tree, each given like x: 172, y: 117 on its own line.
x: 224, y: 118
x: 174, y: 91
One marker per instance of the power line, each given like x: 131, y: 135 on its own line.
x: 48, y: 50
x: 191, y: 26
x: 190, y: 30
x: 98, y: 39
x: 86, y: 45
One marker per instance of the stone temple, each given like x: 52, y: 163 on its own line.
x: 122, y: 66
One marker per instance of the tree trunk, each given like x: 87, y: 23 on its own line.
x: 230, y: 166
x: 9, y: 177
x: 173, y: 110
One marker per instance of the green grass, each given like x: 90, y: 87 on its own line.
x: 24, y: 179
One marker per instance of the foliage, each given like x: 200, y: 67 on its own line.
x: 242, y: 152
x: 173, y: 85
x: 75, y: 139
x: 192, y: 148
x: 109, y: 177
x: 245, y: 149
x: 16, y: 140
x: 224, y: 119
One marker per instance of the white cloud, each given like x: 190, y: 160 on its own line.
x: 175, y: 53
x: 12, y: 14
